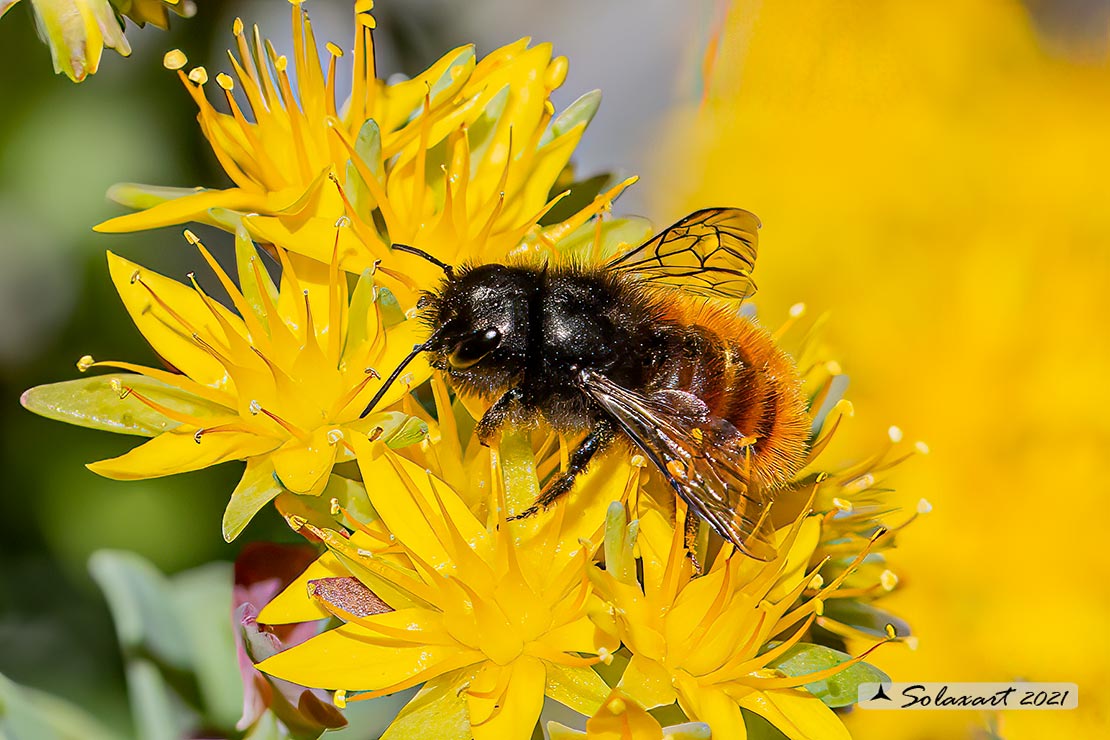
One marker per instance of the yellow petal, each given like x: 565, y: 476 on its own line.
x: 351, y: 658
x: 513, y: 711
x: 714, y: 707
x: 182, y: 210
x: 798, y: 558
x: 400, y: 340
x: 293, y: 604
x: 95, y: 402
x: 438, y: 712
x: 401, y: 493
x: 579, y: 636
x: 648, y: 682
x: 303, y: 467
x: 256, y: 489
x: 167, y: 335
x: 179, y: 452
x: 654, y: 543
x: 313, y: 237
x: 798, y: 714
x: 578, y: 687
x: 621, y: 718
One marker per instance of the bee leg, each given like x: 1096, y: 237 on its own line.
x: 597, y: 440
x: 690, y: 538
x: 496, y: 415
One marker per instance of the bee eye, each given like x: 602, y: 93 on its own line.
x: 471, y: 349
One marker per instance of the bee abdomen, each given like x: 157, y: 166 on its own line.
x: 735, y: 368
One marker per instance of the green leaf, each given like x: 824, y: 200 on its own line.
x: 392, y: 313
x: 760, y: 728
x: 267, y: 728
x: 839, y: 690
x: 257, y: 488
x: 30, y: 713
x: 581, y: 111
x: 139, y: 598
x: 95, y: 402
x: 351, y: 495
x: 368, y: 147
x: 177, y: 643
x: 480, y: 134
x: 455, y: 75
x: 400, y: 430
x: 140, y: 197
x: 150, y: 635
x: 158, y: 713
x: 362, y: 302
x: 203, y: 601
x: 582, y: 193
x: 620, y: 543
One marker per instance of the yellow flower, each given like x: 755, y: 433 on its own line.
x: 621, y: 718
x: 460, y: 160
x: 703, y: 641
x: 490, y: 616
x: 155, y: 12
x: 280, y: 385
x: 78, y: 30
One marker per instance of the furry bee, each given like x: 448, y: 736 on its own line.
x: 636, y: 349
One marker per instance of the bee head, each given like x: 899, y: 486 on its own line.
x: 479, y: 319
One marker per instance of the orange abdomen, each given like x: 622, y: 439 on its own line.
x: 735, y: 367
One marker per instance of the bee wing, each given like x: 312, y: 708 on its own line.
x: 701, y: 456
x: 710, y: 253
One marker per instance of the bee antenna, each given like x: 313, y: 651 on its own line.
x: 393, y: 376
x: 447, y: 269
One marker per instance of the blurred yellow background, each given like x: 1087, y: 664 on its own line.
x: 937, y: 179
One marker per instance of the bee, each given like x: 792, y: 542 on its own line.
x: 649, y: 349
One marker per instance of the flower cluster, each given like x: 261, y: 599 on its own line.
x: 595, y: 603
x: 78, y: 30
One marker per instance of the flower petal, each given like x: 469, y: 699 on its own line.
x: 401, y: 493
x: 578, y: 687
x: 167, y: 335
x: 797, y: 713
x: 179, y: 452
x: 648, y: 682
x: 303, y: 467
x: 95, y: 402
x: 712, y: 706
x: 620, y: 718
x: 192, y: 207
x: 580, y: 636
x: 354, y: 658
x: 313, y: 237
x: 512, y: 712
x: 293, y: 604
x: 438, y: 712
x: 256, y: 489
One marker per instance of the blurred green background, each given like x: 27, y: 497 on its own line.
x: 62, y: 145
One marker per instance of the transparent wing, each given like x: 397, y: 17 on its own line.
x: 710, y: 253
x: 704, y: 458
